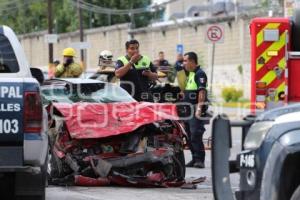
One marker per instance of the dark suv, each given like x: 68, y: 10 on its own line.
x: 269, y: 165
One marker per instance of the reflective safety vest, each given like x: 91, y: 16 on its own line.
x: 181, y: 78
x: 191, y: 83
x: 143, y: 63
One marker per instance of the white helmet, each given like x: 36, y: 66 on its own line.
x: 106, y: 55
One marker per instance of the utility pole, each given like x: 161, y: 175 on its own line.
x: 90, y: 19
x: 109, y: 19
x: 80, y: 29
x: 212, y: 69
x: 132, y: 24
x: 50, y: 27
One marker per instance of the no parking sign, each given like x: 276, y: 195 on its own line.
x: 214, y: 33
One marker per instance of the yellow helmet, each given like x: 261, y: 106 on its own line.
x: 69, y: 52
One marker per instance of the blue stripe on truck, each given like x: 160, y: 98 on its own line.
x: 32, y: 136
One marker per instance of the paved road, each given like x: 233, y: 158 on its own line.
x: 203, y: 191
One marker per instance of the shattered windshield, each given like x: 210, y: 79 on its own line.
x: 86, y: 92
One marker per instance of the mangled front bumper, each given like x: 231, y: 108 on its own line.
x: 102, y: 172
x: 115, y: 153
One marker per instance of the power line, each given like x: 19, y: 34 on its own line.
x: 101, y: 10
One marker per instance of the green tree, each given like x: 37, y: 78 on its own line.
x: 65, y: 16
x: 140, y: 20
x: 23, y: 15
x: 26, y: 16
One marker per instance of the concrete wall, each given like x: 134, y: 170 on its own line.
x: 112, y: 38
x: 234, y: 51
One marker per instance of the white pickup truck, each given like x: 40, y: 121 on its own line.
x: 23, y: 125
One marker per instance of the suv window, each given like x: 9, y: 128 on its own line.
x: 8, y: 60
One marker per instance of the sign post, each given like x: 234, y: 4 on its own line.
x: 214, y: 34
x: 51, y: 38
x: 179, y: 49
x: 80, y: 45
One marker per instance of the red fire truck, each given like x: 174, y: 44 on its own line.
x: 269, y: 163
x: 275, y: 60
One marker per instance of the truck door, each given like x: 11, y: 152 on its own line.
x: 294, y: 80
x: 294, y: 61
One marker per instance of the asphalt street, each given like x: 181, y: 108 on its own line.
x: 202, y: 192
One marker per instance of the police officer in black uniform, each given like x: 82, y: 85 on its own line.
x: 162, y: 62
x: 135, y: 72
x: 196, y: 95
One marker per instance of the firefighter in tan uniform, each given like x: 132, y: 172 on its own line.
x: 68, y: 69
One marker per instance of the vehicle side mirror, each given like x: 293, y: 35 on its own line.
x: 38, y: 75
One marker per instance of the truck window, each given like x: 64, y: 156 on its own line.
x: 8, y: 61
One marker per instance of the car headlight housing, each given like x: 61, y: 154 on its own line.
x: 257, y: 134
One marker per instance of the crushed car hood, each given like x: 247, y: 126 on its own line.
x: 99, y: 120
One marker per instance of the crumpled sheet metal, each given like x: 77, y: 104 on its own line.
x: 99, y: 120
x: 154, y: 180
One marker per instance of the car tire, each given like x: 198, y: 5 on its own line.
x: 271, y: 173
x: 296, y: 194
x: 32, y: 187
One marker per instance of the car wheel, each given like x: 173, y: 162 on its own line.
x: 296, y: 194
x: 32, y: 187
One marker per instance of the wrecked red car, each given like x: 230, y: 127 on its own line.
x: 99, y: 135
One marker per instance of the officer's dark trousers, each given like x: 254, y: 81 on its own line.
x: 195, y: 130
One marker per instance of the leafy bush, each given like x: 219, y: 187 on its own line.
x: 227, y: 93
x: 231, y: 94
